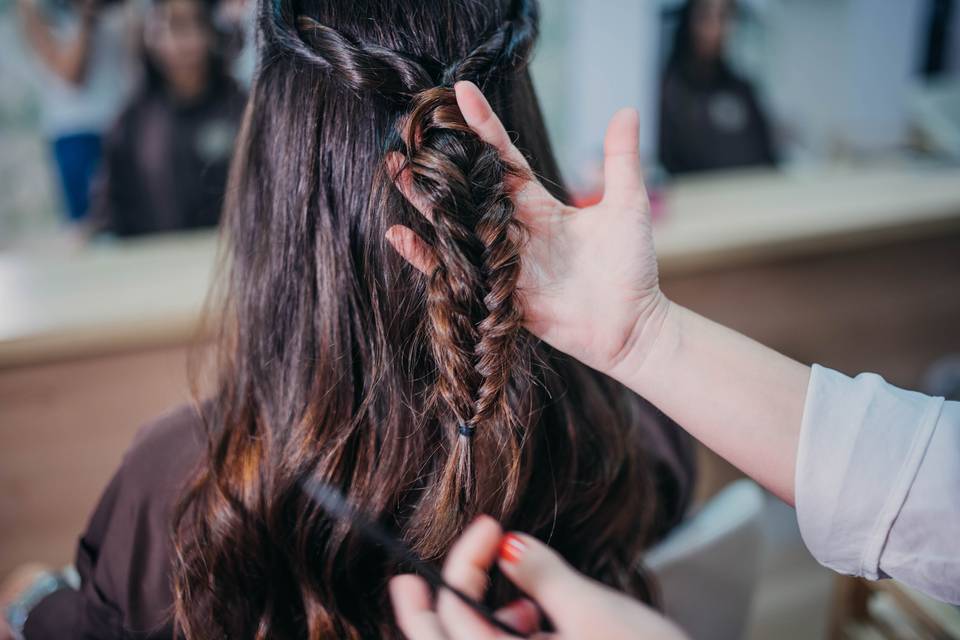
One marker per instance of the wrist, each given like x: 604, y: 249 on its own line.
x: 655, y: 332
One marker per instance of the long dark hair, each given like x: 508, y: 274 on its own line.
x: 422, y: 398
x: 682, y: 55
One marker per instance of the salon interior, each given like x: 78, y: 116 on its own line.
x: 802, y: 159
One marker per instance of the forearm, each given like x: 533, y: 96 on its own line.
x: 741, y: 399
x: 75, y: 57
x: 69, y: 60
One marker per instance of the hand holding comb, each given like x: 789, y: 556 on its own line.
x: 334, y: 503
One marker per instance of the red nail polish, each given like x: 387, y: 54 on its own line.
x: 511, y: 548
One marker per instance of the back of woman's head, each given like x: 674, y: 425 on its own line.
x: 420, y: 397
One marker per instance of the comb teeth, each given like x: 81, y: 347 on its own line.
x: 330, y: 499
x: 334, y: 503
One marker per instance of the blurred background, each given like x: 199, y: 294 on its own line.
x: 803, y: 160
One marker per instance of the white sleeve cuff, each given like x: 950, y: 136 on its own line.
x: 861, y: 443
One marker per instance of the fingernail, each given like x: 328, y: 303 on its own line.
x: 511, y: 548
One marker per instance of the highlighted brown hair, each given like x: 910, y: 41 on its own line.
x: 420, y: 397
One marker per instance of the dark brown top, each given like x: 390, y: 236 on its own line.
x: 123, y: 557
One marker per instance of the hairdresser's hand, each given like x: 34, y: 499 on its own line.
x: 578, y: 607
x: 589, y: 280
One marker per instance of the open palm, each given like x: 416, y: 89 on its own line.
x: 589, y: 281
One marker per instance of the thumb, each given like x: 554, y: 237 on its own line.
x: 577, y: 606
x: 622, y: 174
x: 543, y: 575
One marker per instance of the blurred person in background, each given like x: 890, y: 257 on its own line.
x: 709, y: 116
x: 167, y: 157
x: 84, y: 77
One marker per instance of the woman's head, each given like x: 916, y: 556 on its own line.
x: 702, y: 31
x: 422, y: 398
x: 179, y: 44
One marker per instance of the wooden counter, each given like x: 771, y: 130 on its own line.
x: 103, y: 298
x: 746, y: 217
x: 149, y: 293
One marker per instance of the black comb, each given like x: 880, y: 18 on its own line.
x: 334, y: 503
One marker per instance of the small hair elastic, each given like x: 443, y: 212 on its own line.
x: 466, y: 430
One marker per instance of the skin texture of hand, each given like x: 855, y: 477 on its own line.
x: 577, y: 606
x: 577, y: 261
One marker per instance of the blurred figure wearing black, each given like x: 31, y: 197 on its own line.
x: 709, y: 116
x: 167, y: 158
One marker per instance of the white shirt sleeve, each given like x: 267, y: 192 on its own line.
x: 878, y: 482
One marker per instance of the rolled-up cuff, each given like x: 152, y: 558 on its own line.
x: 861, y: 443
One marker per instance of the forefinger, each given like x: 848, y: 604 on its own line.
x: 413, y: 609
x: 530, y: 196
x: 467, y: 568
x: 481, y: 118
